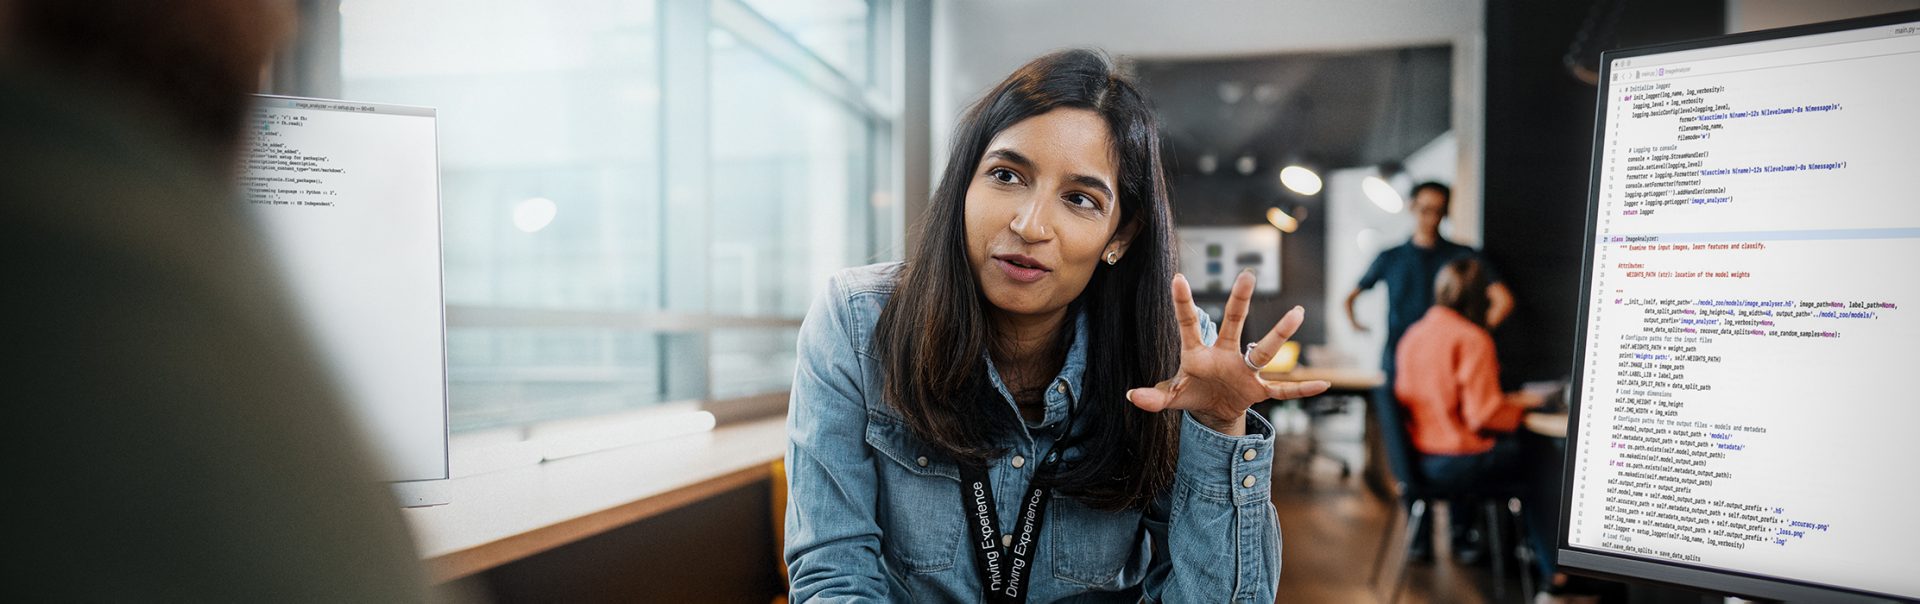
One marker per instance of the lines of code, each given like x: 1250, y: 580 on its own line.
x: 1681, y: 170
x: 1745, y: 401
x: 280, y: 170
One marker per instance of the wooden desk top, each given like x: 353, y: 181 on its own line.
x: 499, y: 517
x: 1547, y: 424
x: 1345, y: 379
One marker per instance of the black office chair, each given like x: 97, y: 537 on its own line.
x: 1417, y: 496
x: 1315, y: 409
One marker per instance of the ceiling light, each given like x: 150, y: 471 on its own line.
x: 1281, y: 220
x: 1266, y: 94
x: 1300, y: 180
x: 1208, y: 163
x: 1245, y: 165
x: 1382, y: 194
x: 1231, y: 92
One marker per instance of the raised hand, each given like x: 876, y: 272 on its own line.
x: 1214, y: 383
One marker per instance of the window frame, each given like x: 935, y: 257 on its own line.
x: 312, y: 68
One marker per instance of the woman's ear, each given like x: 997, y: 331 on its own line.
x: 1117, y: 247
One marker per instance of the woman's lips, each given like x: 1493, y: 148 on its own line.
x: 1019, y: 273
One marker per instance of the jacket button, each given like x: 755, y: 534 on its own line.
x: 922, y: 461
x: 1247, y: 482
x: 1249, y: 455
x: 1006, y: 540
x: 1019, y: 462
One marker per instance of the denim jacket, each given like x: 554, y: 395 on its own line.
x: 874, y: 513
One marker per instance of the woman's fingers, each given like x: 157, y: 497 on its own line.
x: 1235, y: 316
x: 1185, y: 313
x: 1270, y: 344
x: 1282, y: 391
x: 1155, y: 399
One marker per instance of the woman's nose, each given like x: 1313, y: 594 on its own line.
x: 1030, y: 221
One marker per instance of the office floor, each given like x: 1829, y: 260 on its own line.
x: 1331, y: 528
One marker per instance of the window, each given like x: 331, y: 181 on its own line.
x: 640, y: 199
x: 839, y: 32
x: 790, y: 166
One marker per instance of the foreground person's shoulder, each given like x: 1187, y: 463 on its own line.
x: 873, y: 278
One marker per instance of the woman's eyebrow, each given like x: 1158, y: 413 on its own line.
x: 1092, y: 183
x: 1011, y: 156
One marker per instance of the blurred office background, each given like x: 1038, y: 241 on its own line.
x: 642, y: 197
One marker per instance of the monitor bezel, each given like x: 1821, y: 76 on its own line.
x: 423, y: 491
x: 1616, y: 566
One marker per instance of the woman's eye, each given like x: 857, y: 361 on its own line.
x: 1082, y: 200
x: 1004, y: 175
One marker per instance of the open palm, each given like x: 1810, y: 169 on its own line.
x: 1214, y: 383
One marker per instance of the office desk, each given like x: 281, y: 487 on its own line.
x: 1354, y: 381
x: 505, y: 516
x: 1546, y: 424
x: 1345, y: 382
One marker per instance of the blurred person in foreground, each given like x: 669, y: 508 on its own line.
x: 1463, y: 425
x: 177, y: 440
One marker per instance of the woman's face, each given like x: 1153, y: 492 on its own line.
x: 1041, y: 210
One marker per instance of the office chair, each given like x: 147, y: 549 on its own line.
x: 1417, y: 497
x: 1297, y: 463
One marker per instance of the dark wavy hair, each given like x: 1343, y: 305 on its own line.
x: 933, y: 333
x: 1462, y: 286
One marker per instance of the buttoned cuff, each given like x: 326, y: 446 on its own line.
x: 1228, y: 468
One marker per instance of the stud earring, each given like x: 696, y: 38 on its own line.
x: 1113, y: 257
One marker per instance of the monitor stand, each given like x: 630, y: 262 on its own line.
x: 422, y: 493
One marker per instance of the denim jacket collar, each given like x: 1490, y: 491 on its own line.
x: 1064, y: 391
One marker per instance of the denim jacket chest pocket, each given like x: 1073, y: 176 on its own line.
x: 919, y: 498
x: 1091, y: 547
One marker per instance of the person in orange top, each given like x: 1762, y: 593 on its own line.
x: 1449, y: 379
x: 1459, y: 420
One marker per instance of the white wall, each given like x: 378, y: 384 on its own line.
x: 976, y: 43
x: 1349, y: 251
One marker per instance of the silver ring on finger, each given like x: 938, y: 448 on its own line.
x: 1248, y: 357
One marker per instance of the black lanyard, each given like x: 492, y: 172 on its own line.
x: 1006, y: 568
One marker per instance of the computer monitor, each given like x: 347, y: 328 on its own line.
x: 1747, y: 418
x: 348, y: 195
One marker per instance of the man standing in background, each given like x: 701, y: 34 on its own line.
x: 1408, y: 270
x: 171, y: 435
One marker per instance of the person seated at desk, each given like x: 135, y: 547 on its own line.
x: 1449, y: 381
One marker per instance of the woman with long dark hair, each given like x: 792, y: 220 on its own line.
x: 1031, y: 406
